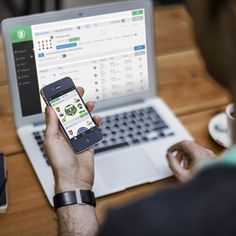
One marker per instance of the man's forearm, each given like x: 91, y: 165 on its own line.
x: 77, y: 220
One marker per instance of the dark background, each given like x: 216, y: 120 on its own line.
x: 9, y: 8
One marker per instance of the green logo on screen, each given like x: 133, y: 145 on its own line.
x: 21, y: 34
x: 70, y: 110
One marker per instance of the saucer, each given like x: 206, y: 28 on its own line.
x: 217, y: 128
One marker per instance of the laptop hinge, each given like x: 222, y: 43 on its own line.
x: 119, y: 105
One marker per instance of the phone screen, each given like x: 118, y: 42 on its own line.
x: 72, y: 113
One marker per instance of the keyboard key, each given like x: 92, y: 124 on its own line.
x: 135, y: 141
x: 160, y: 126
x: 104, y: 142
x: 40, y: 143
x: 152, y: 136
x: 150, y: 110
x: 145, y: 139
x: 162, y: 135
x: 37, y: 137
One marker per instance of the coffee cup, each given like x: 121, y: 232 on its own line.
x: 231, y: 118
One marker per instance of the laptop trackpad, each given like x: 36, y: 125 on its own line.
x: 126, y: 169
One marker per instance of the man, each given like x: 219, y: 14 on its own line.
x: 204, y: 204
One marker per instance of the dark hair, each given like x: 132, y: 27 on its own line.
x: 215, y: 6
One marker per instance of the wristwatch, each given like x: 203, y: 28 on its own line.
x: 78, y: 196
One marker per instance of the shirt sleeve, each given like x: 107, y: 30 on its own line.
x: 226, y: 159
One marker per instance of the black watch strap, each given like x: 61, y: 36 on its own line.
x: 77, y: 196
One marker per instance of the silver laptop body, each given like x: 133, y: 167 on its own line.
x: 109, y: 50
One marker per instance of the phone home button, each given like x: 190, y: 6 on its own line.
x: 87, y: 140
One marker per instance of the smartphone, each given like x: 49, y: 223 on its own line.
x: 75, y: 120
x: 3, y: 184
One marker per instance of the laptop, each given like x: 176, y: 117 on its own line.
x: 108, y: 50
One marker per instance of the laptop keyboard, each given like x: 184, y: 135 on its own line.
x: 39, y: 137
x: 125, y: 129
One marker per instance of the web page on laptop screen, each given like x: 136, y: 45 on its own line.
x: 105, y: 54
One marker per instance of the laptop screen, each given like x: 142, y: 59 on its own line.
x: 104, y: 54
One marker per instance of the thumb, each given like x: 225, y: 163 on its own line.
x: 175, y: 165
x: 52, y: 122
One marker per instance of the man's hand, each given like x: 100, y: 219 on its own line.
x: 183, y: 158
x: 70, y: 170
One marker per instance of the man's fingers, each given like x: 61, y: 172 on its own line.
x: 186, y: 163
x: 186, y: 147
x: 175, y: 147
x: 98, y: 120
x: 90, y: 106
x: 180, y: 172
x: 80, y: 91
x: 179, y: 156
x: 52, y: 122
x: 174, y: 164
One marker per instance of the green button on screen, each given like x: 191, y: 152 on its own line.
x: 137, y: 12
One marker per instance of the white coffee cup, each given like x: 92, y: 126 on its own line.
x: 231, y: 117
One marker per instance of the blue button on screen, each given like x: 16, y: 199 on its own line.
x: 69, y: 45
x: 41, y: 54
x: 140, y: 47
